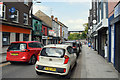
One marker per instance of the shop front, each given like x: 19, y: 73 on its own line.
x: 45, y: 40
x: 115, y: 37
x: 37, y: 29
x: 11, y: 33
x: 102, y: 30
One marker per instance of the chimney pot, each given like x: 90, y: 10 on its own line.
x: 56, y: 19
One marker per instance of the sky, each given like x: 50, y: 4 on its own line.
x: 72, y: 14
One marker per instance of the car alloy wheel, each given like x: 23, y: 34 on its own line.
x: 33, y: 60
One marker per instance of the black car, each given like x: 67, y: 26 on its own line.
x: 75, y: 46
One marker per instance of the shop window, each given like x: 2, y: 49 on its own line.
x: 6, y: 38
x: 25, y: 37
x: 3, y: 12
x: 25, y: 21
x: 17, y: 36
x: 44, y: 31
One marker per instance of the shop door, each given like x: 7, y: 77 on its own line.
x: 117, y: 46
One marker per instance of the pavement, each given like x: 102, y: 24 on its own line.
x: 89, y: 65
x: 95, y: 66
x: 3, y: 58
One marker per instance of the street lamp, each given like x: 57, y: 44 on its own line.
x: 32, y: 7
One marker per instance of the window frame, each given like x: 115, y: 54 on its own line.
x: 6, y: 35
x: 17, y: 17
x: 3, y: 12
x: 25, y: 19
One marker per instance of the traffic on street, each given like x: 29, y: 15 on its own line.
x: 57, y: 40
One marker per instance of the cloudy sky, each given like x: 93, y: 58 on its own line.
x: 72, y: 14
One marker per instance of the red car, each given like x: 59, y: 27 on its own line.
x: 24, y: 51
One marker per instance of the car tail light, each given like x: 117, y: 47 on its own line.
x: 7, y: 50
x: 38, y: 57
x: 66, y: 59
x: 64, y: 70
x: 74, y: 47
x: 37, y: 67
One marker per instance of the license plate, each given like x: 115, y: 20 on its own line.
x: 50, y: 69
x: 14, y: 54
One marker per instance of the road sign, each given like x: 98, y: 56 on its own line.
x: 12, y: 10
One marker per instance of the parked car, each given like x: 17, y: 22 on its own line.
x: 74, y: 45
x: 24, y: 51
x: 56, y: 59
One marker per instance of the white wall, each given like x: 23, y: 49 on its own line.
x: 12, y: 37
x: 21, y: 36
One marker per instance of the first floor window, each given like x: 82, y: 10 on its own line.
x: 15, y: 16
x: 25, y: 21
x: 3, y: 8
x: 6, y: 38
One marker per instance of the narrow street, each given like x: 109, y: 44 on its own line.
x: 89, y: 65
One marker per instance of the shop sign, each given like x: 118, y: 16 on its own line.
x: 117, y: 10
x: 12, y: 10
x: 51, y: 32
x: 1, y: 7
x: 44, y: 37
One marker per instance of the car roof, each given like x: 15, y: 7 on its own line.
x: 70, y: 41
x: 57, y: 45
x: 25, y: 41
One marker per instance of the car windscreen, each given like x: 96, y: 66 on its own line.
x: 18, y: 46
x: 53, y: 52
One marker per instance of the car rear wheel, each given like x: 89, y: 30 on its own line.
x: 32, y: 60
x: 38, y: 73
x: 12, y: 62
x: 67, y: 76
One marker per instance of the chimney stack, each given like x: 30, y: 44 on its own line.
x: 56, y: 19
x: 52, y: 17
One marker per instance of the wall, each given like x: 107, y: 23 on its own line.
x: 44, y: 27
x: 0, y: 42
x: 12, y: 37
x: 21, y: 36
x: 55, y: 27
x: 65, y: 32
x: 111, y: 6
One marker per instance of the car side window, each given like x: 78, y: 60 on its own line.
x: 39, y: 45
x: 70, y: 49
x: 32, y: 45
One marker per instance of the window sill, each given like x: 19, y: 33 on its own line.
x: 15, y: 22
x: 5, y: 45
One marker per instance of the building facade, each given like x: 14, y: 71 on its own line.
x: 102, y: 28
x: 16, y: 23
x: 37, y: 29
x: 114, y: 33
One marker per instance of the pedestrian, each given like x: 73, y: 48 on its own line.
x: 105, y: 48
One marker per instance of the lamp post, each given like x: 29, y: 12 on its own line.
x: 31, y: 9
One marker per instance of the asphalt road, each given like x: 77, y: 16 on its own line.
x: 23, y: 70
